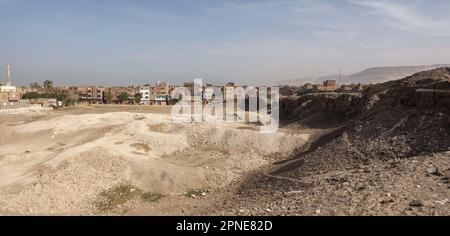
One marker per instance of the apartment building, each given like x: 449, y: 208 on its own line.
x: 229, y: 91
x: 326, y: 86
x: 145, y: 92
x: 161, y: 93
x: 92, y: 95
x: 112, y: 94
x: 208, y: 94
x: 190, y: 86
x: 330, y: 84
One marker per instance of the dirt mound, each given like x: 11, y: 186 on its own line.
x: 409, y: 115
x: 388, y: 151
x: 319, y: 110
x: 392, y: 121
x: 60, y: 164
x: 70, y: 188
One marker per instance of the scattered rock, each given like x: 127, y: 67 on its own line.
x: 415, y: 203
x: 433, y: 170
x: 386, y: 200
x: 360, y: 188
x: 443, y: 202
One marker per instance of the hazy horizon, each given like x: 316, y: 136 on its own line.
x: 135, y: 42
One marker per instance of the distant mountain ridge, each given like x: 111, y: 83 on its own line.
x: 371, y: 75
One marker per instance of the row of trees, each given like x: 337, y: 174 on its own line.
x: 123, y: 97
x: 35, y: 95
x: 48, y: 84
x: 65, y: 98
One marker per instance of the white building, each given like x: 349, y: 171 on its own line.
x: 7, y: 89
x: 229, y: 93
x: 208, y: 94
x: 145, y: 92
x: 9, y: 98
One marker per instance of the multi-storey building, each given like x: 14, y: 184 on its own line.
x: 161, y: 93
x: 190, y: 86
x: 326, y: 86
x: 145, y: 92
x: 229, y: 91
x: 330, y: 83
x: 111, y: 94
x: 92, y: 95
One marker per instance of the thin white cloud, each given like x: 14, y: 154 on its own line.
x: 280, y: 10
x: 408, y: 17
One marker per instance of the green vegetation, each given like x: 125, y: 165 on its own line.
x: 123, y: 193
x: 122, y: 97
x: 151, y: 197
x: 108, y: 97
x: 65, y: 98
x: 138, y: 97
x: 70, y: 102
x: 35, y: 95
x: 117, y: 195
x: 48, y: 84
x: 35, y: 85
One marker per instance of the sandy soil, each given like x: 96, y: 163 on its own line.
x: 59, y: 162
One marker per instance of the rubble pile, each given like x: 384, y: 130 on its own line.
x: 389, y: 154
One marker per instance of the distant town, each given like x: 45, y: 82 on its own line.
x: 47, y: 94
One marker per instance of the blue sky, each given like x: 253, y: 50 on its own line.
x: 120, y: 42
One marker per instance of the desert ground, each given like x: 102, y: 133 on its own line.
x: 124, y: 160
x: 385, y: 151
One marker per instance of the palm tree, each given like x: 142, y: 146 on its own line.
x: 48, y: 84
x: 122, y: 97
x: 108, y: 97
x: 35, y: 85
x: 138, y: 97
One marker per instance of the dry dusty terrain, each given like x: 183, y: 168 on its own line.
x: 385, y: 151
x: 124, y: 160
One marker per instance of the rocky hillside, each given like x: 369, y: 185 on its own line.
x: 339, y: 105
x: 412, y: 109
x: 388, y: 154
